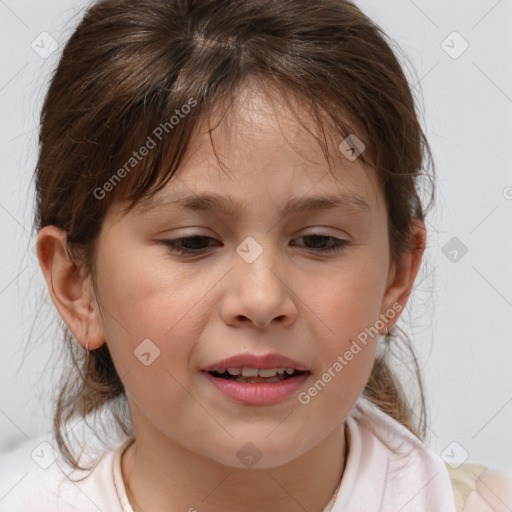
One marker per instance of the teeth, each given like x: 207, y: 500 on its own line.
x: 267, y: 372
x: 257, y: 372
x: 249, y: 372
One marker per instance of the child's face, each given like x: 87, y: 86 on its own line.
x: 292, y: 299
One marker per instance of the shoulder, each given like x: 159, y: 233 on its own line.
x: 34, y: 477
x: 470, y: 487
x: 402, y: 469
x: 478, y: 488
x: 29, y: 476
x: 402, y: 448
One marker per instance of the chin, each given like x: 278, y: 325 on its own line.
x: 258, y: 454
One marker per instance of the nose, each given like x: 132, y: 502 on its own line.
x: 258, y: 293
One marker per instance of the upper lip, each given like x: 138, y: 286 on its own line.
x: 272, y: 360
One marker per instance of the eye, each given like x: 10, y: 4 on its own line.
x: 187, y: 245
x: 197, y: 243
x: 315, y: 238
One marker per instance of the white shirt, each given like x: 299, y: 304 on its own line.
x: 375, y: 479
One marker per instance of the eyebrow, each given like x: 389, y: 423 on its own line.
x: 231, y: 207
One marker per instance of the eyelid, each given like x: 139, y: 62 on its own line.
x: 177, y: 232
x: 339, y: 246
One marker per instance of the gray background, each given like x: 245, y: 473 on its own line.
x: 460, y: 312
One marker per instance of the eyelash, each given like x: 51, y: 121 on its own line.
x: 174, y: 244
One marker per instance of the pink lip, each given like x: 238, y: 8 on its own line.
x: 272, y: 360
x: 259, y: 393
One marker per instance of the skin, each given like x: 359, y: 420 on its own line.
x: 292, y: 299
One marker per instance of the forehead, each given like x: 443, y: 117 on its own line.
x: 231, y: 206
x: 260, y: 151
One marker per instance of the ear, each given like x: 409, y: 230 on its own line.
x: 71, y: 296
x: 402, y: 274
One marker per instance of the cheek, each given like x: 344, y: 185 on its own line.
x: 147, y: 293
x: 346, y: 308
x: 331, y: 394
x: 147, y: 312
x: 348, y: 299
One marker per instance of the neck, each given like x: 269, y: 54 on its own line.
x: 173, y: 479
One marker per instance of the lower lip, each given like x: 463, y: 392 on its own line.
x: 261, y: 393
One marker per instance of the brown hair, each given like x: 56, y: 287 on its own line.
x: 131, y: 65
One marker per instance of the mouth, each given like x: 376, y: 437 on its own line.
x: 248, y: 375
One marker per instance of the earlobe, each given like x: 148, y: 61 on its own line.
x: 403, y: 273
x: 69, y: 294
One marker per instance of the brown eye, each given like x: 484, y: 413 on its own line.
x: 188, y: 245
x: 317, y: 239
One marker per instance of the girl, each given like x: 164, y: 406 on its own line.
x: 229, y: 225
